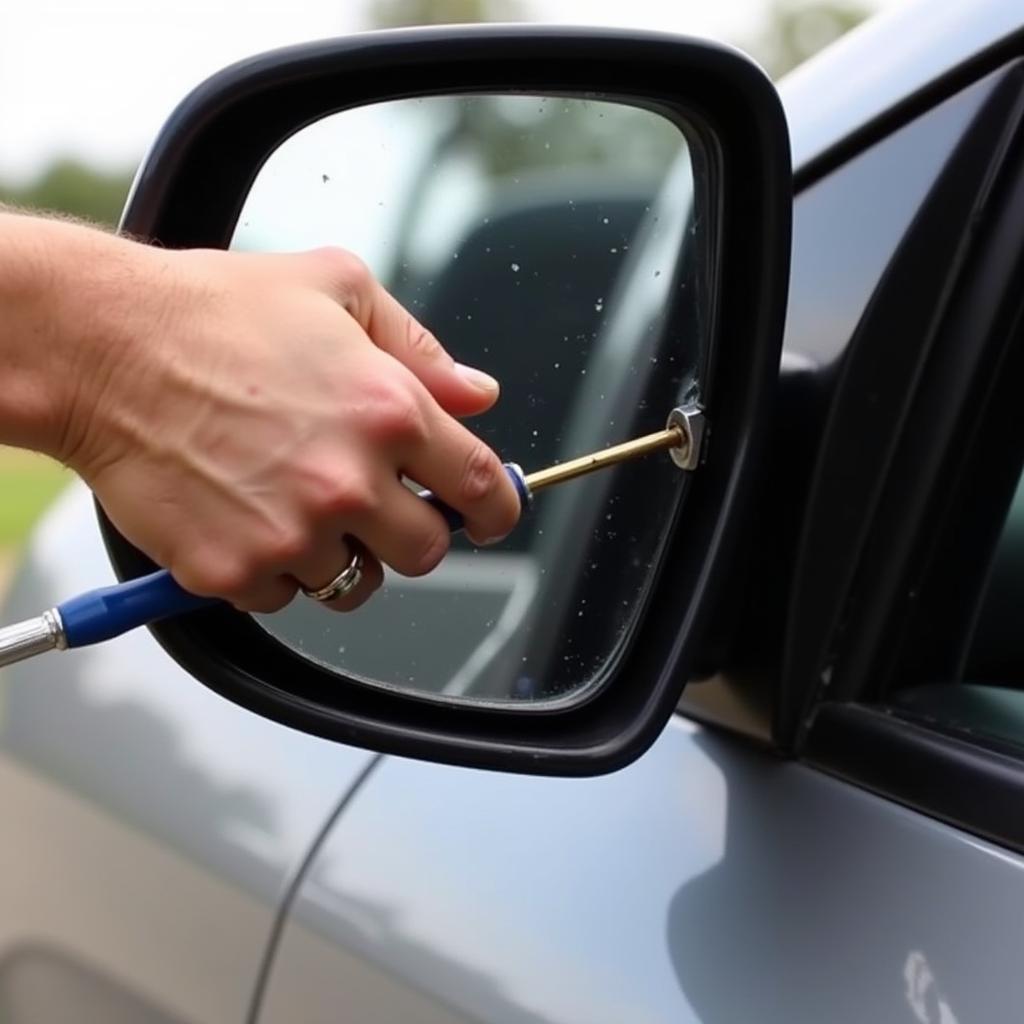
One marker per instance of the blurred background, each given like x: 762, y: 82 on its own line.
x: 85, y: 88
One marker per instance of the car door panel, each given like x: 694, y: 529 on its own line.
x: 708, y: 882
x: 153, y: 827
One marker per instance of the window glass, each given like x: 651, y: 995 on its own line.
x: 997, y: 647
x: 846, y: 227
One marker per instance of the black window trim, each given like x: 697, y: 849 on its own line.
x: 923, y: 567
x: 975, y: 788
x: 746, y: 686
x: 844, y: 717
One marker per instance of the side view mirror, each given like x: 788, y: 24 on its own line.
x: 601, y: 219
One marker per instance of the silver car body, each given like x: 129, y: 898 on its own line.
x: 168, y: 857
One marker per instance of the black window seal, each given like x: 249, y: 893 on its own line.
x: 977, y: 789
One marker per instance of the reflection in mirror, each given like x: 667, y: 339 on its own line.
x: 558, y: 244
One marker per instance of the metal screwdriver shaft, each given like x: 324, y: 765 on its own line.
x: 671, y: 437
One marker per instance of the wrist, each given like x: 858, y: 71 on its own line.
x: 70, y: 293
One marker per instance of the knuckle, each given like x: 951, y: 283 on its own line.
x: 421, y: 342
x: 395, y: 418
x: 350, y: 277
x: 481, y: 473
x: 432, y: 551
x: 346, y: 496
x: 283, y: 545
x: 217, y: 574
x: 332, y: 489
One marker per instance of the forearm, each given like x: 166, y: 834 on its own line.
x: 60, y: 288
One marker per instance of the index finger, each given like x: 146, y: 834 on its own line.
x: 459, y: 390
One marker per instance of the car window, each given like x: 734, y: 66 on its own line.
x: 996, y: 653
x: 987, y: 700
x: 847, y: 226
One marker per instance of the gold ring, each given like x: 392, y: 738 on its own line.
x: 344, y: 583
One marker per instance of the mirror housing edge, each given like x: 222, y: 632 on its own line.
x: 189, y: 192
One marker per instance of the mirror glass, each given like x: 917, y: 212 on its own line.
x: 561, y: 245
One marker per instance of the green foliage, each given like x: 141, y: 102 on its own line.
x: 559, y: 133
x: 71, y: 187
x: 797, y: 29
x: 399, y: 13
x: 28, y: 483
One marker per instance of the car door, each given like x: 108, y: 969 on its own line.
x: 152, y: 828
x: 714, y: 880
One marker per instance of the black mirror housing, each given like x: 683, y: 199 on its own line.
x: 189, y: 193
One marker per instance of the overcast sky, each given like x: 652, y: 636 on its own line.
x: 96, y: 78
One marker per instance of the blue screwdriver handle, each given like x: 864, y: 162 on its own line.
x: 99, y: 615
x: 102, y: 614
x: 454, y: 518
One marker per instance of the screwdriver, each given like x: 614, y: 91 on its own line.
x: 107, y: 612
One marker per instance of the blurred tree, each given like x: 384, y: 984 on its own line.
x: 797, y: 29
x: 399, y: 13
x: 508, y: 145
x: 70, y: 186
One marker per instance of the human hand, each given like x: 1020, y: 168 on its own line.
x: 239, y: 415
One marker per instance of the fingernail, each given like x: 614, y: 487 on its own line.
x: 479, y: 379
x: 483, y: 542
